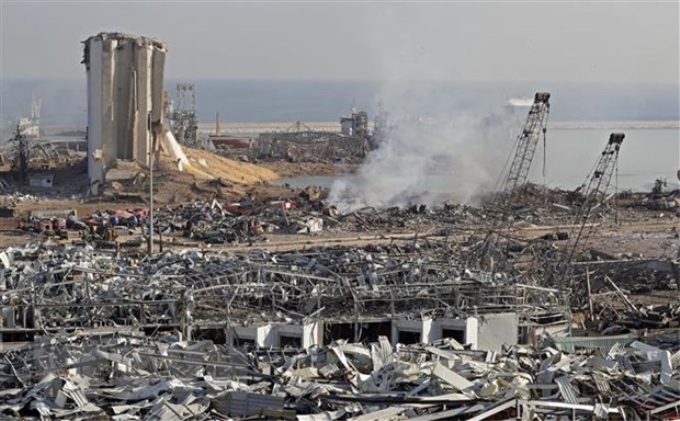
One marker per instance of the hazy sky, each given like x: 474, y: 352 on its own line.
x: 505, y: 41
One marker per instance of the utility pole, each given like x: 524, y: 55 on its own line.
x: 152, y: 161
x: 150, y: 245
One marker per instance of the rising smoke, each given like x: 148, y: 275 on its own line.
x: 447, y: 144
x: 439, y: 149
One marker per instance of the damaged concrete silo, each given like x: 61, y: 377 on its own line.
x: 125, y: 100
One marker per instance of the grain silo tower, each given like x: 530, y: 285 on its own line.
x: 124, y: 98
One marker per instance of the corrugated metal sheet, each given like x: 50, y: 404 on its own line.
x: 166, y: 411
x: 569, y: 392
x: 572, y: 343
x: 42, y: 409
x: 242, y: 404
x: 441, y: 415
x: 601, y: 411
x: 382, y: 414
x: 75, y: 393
x: 161, y: 411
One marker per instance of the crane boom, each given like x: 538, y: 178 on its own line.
x: 596, y: 185
x: 527, y: 142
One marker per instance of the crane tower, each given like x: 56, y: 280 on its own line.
x: 594, y: 189
x: 527, y: 141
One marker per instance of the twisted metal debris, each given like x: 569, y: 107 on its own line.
x: 122, y: 375
x: 55, y: 287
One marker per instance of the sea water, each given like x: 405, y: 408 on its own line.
x: 570, y: 156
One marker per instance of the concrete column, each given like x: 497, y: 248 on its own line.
x: 428, y: 331
x: 8, y: 316
x: 496, y: 330
x: 262, y: 335
x: 156, y: 83
x: 471, y: 331
x: 122, y: 98
x: 312, y: 334
x: 108, y: 98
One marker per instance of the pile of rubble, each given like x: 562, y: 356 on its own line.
x: 245, y: 221
x: 309, y: 334
x: 121, y: 375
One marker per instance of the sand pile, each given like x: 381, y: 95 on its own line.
x: 208, y: 175
x: 206, y: 165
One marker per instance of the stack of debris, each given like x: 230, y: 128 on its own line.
x: 124, y: 376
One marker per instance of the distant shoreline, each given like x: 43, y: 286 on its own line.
x: 332, y: 126
x: 245, y: 128
x: 558, y: 125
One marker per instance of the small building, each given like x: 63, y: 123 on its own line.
x: 44, y: 180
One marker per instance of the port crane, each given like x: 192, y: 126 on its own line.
x: 527, y: 141
x: 594, y: 192
x: 522, y: 157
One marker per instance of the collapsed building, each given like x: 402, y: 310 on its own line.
x: 399, y: 332
x: 303, y: 299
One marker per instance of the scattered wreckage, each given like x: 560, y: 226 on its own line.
x: 395, y: 331
x: 251, y: 219
x: 123, y: 375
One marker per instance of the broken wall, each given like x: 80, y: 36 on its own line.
x: 465, y: 331
x: 496, y: 330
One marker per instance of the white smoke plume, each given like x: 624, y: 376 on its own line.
x: 445, y: 147
x: 437, y: 152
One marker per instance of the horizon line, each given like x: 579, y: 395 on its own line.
x: 354, y: 80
